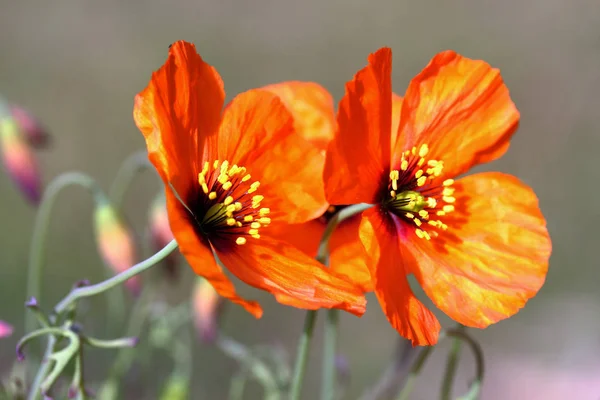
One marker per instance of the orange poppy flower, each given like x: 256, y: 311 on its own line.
x: 478, y: 246
x: 229, y: 174
x: 313, y: 110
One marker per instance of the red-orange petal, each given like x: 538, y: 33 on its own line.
x: 198, y: 254
x: 179, y: 108
x: 461, y: 109
x: 396, y: 111
x: 294, y: 278
x: 494, y: 255
x: 311, y: 106
x: 347, y: 255
x: 388, y: 265
x: 258, y: 133
x: 359, y: 155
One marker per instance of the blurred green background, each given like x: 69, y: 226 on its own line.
x: 78, y: 64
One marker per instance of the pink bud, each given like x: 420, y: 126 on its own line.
x: 5, y: 329
x: 115, y: 242
x: 19, y: 160
x: 34, y: 132
x: 160, y: 233
x: 207, y: 306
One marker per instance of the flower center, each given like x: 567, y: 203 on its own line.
x: 416, y: 194
x: 229, y: 206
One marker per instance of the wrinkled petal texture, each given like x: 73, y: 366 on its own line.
x: 293, y: 277
x: 396, y: 111
x: 311, y: 106
x: 461, y: 109
x: 199, y: 255
x: 347, y: 257
x: 178, y: 110
x: 258, y: 133
x: 494, y: 255
x: 388, y: 265
x: 359, y: 155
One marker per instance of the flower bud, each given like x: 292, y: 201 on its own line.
x: 5, y: 329
x: 160, y: 233
x: 115, y: 242
x: 19, y: 160
x: 35, y: 134
x: 207, y: 307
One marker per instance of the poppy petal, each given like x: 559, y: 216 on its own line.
x: 359, y: 155
x: 311, y: 106
x: 347, y: 255
x: 198, y: 254
x: 461, y: 109
x: 178, y: 109
x: 494, y: 255
x: 396, y: 111
x: 388, y: 265
x: 258, y: 133
x: 293, y: 277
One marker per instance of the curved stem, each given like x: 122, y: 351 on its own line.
x: 414, y: 373
x: 302, y: 355
x: 40, y: 230
x: 101, y: 287
x: 451, y: 365
x: 132, y: 165
x: 253, y: 364
x: 34, y: 391
x: 480, y: 368
x: 344, y: 214
x: 130, y: 168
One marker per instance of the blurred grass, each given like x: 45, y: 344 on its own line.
x: 78, y: 64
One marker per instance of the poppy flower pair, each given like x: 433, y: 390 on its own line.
x: 251, y: 185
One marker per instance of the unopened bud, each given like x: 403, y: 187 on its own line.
x: 115, y: 242
x: 160, y: 233
x: 19, y: 160
x: 5, y: 329
x: 176, y: 388
x: 207, y: 307
x: 34, y: 132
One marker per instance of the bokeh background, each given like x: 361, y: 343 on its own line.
x: 77, y: 64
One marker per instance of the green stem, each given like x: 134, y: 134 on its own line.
x: 345, y: 213
x: 253, y: 364
x: 130, y: 168
x: 302, y: 355
x: 451, y: 366
x: 132, y: 165
x: 138, y: 316
x: 34, y: 392
x: 460, y: 333
x: 414, y: 373
x: 332, y: 316
x: 328, y: 388
x: 101, y: 287
x: 40, y: 231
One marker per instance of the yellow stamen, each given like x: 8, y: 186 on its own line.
x: 240, y: 240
